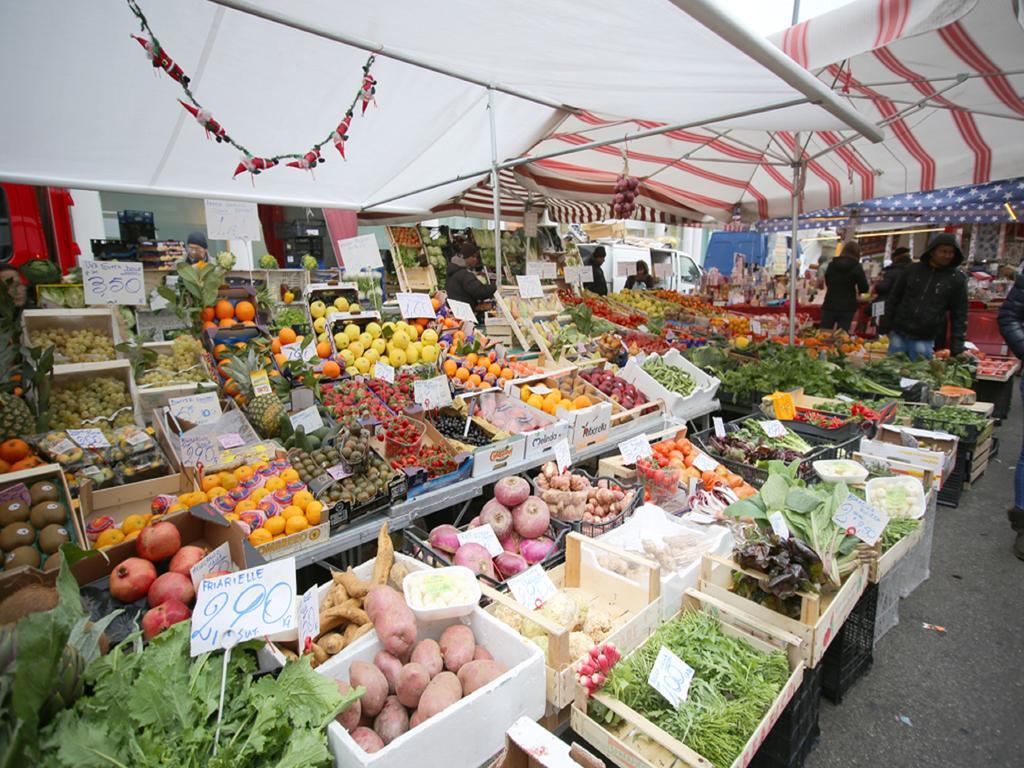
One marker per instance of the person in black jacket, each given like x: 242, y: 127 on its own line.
x: 916, y: 308
x: 844, y: 279
x: 462, y: 283
x: 597, y: 284
x: 891, y: 274
x: 1011, y: 325
x: 642, y: 278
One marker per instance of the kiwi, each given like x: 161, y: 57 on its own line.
x: 52, y: 563
x: 17, y: 535
x: 48, y: 512
x: 30, y: 599
x: 21, y: 556
x: 13, y: 511
x: 44, y: 490
x: 51, y: 537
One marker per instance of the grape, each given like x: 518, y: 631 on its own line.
x: 81, y: 345
x: 72, y: 404
x: 184, y: 364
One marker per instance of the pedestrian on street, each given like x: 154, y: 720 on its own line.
x: 1011, y: 325
x: 844, y: 279
x: 891, y: 274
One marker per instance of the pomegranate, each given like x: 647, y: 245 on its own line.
x: 171, y: 586
x: 131, y: 579
x: 185, y: 558
x: 158, y: 542
x: 156, y: 620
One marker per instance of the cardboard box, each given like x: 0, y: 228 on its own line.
x: 529, y: 745
x: 935, y: 451
x: 120, y: 501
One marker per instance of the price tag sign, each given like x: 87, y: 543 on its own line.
x: 432, y: 393
x: 638, y: 447
x: 250, y: 604
x: 671, y: 677
x: 113, y: 282
x: 484, y: 536
x: 231, y: 440
x: 218, y: 560
x: 260, y: 383
x: 844, y: 398
x: 773, y: 428
x: 232, y: 220
x: 295, y: 351
x: 545, y: 270
x: 625, y: 268
x: 563, y: 455
x: 783, y: 404
x: 89, y: 438
x: 539, y: 389
x: 413, y: 305
x: 700, y: 518
x: 309, y: 617
x: 778, y: 523
x: 705, y: 463
x: 308, y: 418
x: 339, y: 471
x: 530, y: 287
x: 578, y: 275
x: 878, y: 309
x: 719, y: 426
x: 196, y: 409
x: 360, y: 253
x: 532, y: 587
x: 384, y: 371
x: 906, y: 383
x: 198, y: 449
x: 663, y: 269
x: 461, y: 310
x: 860, y: 519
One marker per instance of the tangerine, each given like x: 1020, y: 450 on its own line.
x: 207, y: 313
x: 331, y: 369
x: 536, y: 401
x: 450, y: 367
x: 494, y: 369
x: 323, y: 349
x: 302, y: 499
x: 227, y: 322
x: 260, y: 536
x: 287, y: 335
x: 274, y: 524
x: 296, y: 523
x: 224, y: 310
x: 462, y: 374
x: 290, y: 511
x: 244, y: 310
x: 275, y: 346
x: 290, y: 475
x: 475, y: 380
x: 244, y: 473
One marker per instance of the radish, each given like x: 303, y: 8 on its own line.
x: 445, y: 538
x: 511, y: 490
x: 535, y: 550
x: 511, y: 543
x: 476, y: 558
x: 531, y: 518
x: 499, y: 517
x: 510, y: 564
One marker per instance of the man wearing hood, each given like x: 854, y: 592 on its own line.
x: 1011, y: 325
x: 462, y: 283
x: 916, y: 308
x: 844, y: 279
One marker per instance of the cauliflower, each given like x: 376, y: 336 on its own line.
x: 579, y: 644
x: 508, y: 616
x: 561, y: 609
x: 582, y: 606
x: 598, y: 625
x: 532, y: 629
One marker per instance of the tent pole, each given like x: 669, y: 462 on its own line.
x: 495, y: 186
x: 794, y: 247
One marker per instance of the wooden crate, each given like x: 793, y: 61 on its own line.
x: 120, y: 501
x: 634, y: 607
x: 418, y: 278
x: 821, y: 615
x: 498, y: 329
x: 104, y: 320
x: 55, y: 474
x: 116, y: 369
x: 152, y: 397
x: 639, y: 743
x: 880, y: 567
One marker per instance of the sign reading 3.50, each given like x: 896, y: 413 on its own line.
x: 114, y: 282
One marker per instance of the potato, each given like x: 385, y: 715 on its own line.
x: 477, y: 674
x: 392, y: 721
x: 390, y: 667
x: 367, y: 740
x: 481, y: 654
x: 457, y: 646
x: 428, y: 653
x: 415, y: 720
x: 391, y: 617
x: 412, y: 680
x: 372, y: 679
x: 349, y: 719
x: 443, y: 691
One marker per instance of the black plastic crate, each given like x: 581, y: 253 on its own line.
x: 851, y: 653
x: 796, y: 732
x: 953, y: 486
x: 593, y: 530
x: 999, y: 393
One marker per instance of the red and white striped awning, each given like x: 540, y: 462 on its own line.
x: 946, y: 78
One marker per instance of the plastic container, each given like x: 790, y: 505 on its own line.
x: 395, y: 447
x: 441, y: 593
x: 840, y: 471
x: 662, y: 484
x: 901, y: 495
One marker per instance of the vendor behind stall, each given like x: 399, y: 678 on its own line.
x: 197, y: 247
x: 462, y: 282
x: 642, y: 279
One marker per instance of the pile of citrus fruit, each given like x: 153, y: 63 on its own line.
x: 550, y: 402
x: 224, y: 314
x: 475, y: 371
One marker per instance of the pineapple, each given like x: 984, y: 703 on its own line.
x: 16, y: 420
x: 264, y: 411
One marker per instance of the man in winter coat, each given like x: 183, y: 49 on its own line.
x: 844, y: 279
x: 597, y: 284
x: 1011, y: 325
x: 891, y: 274
x: 916, y: 308
x: 462, y: 283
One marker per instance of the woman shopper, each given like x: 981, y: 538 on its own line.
x: 844, y: 279
x: 1011, y: 325
x: 642, y: 279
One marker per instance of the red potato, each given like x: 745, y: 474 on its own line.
x: 428, y: 653
x: 443, y: 691
x: 390, y: 666
x: 392, y: 721
x: 415, y: 720
x: 482, y: 654
x: 457, y: 646
x: 372, y: 679
x: 477, y: 674
x: 391, y: 617
x: 367, y: 740
x: 349, y: 719
x: 412, y: 681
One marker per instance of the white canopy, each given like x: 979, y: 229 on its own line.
x: 85, y: 109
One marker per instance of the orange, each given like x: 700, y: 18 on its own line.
x: 524, y: 393
x: 227, y: 322
x: 494, y: 369
x: 313, y: 512
x: 244, y: 310
x: 260, y: 536
x: 582, y: 402
x: 227, y: 480
x: 209, y: 324
x: 224, y: 310
x: 232, y: 517
x: 302, y: 499
x: 287, y: 335
x: 213, y: 493
x: 244, y: 473
x: 14, y: 450
x: 462, y: 374
x: 245, y: 505
x: 175, y: 508
x: 331, y: 369
x: 220, y: 351
x: 296, y: 523
x: 281, y: 359
x: 506, y: 373
x: 210, y: 481
x: 275, y: 346
x: 323, y: 349
x: 207, y: 313
x: 471, y: 359
x: 274, y: 483
x: 474, y: 380
x: 275, y: 524
x: 131, y: 535
x: 450, y: 367
x: 290, y: 511
x: 435, y: 304
x: 289, y: 475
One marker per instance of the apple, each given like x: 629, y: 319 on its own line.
x: 317, y: 309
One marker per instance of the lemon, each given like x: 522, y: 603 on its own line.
x: 352, y: 370
x: 365, y: 339
x: 397, y: 358
x: 356, y: 349
x: 385, y: 360
x: 341, y: 304
x: 400, y: 340
x: 317, y: 309
x: 352, y: 331
x: 347, y: 357
x: 414, y: 332
x: 429, y: 336
x: 412, y: 355
x: 380, y: 346
x: 321, y: 337
x: 430, y: 353
x: 355, y: 309
x: 362, y: 365
x: 374, y: 330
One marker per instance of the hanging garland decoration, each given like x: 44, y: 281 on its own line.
x: 160, y: 59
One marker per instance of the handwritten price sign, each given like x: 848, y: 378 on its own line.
x: 860, y: 519
x: 432, y: 393
x: 197, y: 409
x: 244, y: 605
x: 532, y: 587
x: 114, y: 282
x: 671, y: 677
